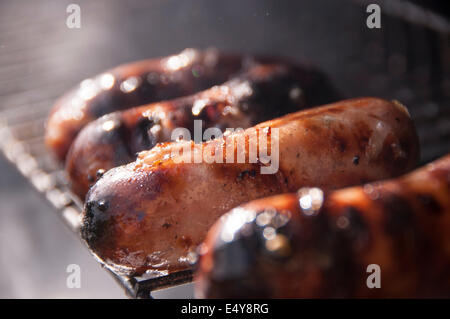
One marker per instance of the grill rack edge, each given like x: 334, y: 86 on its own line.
x: 54, y: 188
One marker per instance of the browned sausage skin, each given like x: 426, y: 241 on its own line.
x: 263, y: 92
x: 136, y: 84
x: 315, y: 245
x: 150, y: 214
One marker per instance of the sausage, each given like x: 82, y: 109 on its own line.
x: 263, y: 92
x: 152, y: 213
x: 136, y: 84
x: 316, y: 244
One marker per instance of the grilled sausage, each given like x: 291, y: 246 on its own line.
x: 136, y: 84
x: 150, y: 214
x: 263, y: 92
x: 316, y: 245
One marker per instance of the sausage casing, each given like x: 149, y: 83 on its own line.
x: 263, y: 92
x: 136, y: 84
x: 316, y: 245
x: 150, y: 214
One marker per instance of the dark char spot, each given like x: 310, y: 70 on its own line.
x: 398, y: 214
x: 241, y: 175
x: 430, y: 203
x: 358, y: 231
x: 102, y: 205
x: 100, y: 173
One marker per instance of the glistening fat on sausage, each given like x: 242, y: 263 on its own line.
x: 136, y: 84
x: 325, y: 245
x: 263, y: 92
x: 152, y: 213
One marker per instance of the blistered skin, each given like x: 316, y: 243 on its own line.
x: 315, y: 245
x: 150, y: 214
x: 263, y: 92
x: 136, y: 84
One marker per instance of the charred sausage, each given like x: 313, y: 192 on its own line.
x: 263, y: 92
x: 319, y: 245
x: 151, y: 213
x: 136, y: 84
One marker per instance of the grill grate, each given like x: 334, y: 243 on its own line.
x: 22, y: 143
x: 31, y: 65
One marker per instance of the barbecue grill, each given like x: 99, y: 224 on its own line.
x: 40, y: 58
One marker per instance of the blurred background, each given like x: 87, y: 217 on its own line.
x: 40, y: 58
